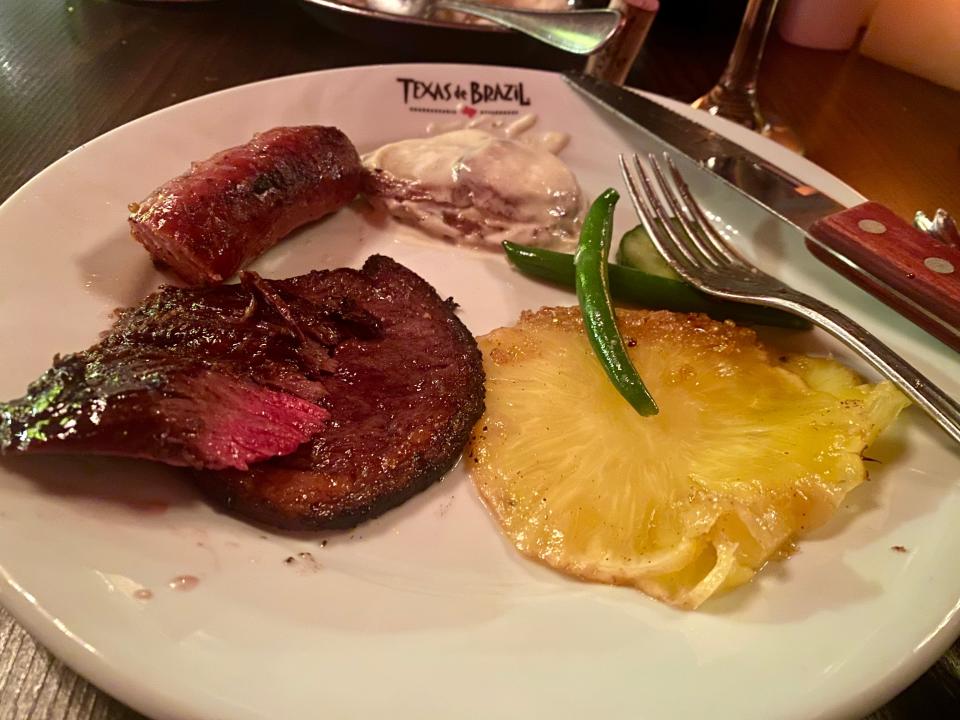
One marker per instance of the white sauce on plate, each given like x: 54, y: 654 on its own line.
x: 481, y: 184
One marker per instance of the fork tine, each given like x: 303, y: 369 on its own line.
x: 660, y: 213
x: 641, y: 203
x: 706, y: 227
x: 690, y: 224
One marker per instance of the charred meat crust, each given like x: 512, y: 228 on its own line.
x: 205, y: 378
x: 365, y: 377
x: 402, y: 405
x: 225, y: 211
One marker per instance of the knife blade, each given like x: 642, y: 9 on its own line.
x: 910, y: 271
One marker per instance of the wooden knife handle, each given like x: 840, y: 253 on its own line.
x: 902, y: 261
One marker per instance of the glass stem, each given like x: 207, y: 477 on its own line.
x: 735, y: 95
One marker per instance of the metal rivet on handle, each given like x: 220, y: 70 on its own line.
x: 874, y: 227
x: 939, y: 265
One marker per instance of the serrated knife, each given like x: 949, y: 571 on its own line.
x: 909, y: 270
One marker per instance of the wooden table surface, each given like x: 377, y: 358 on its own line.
x: 73, y: 69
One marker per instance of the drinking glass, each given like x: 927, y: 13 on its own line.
x: 735, y: 95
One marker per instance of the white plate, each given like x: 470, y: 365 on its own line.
x: 427, y: 611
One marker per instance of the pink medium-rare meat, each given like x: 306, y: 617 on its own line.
x: 225, y: 211
x: 215, y: 378
x: 176, y: 413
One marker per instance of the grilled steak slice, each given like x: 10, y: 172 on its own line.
x: 401, y: 407
x: 225, y: 211
x: 177, y: 413
x: 208, y: 378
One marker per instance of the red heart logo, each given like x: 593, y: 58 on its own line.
x: 469, y: 111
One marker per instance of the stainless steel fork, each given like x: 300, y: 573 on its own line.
x: 693, y: 247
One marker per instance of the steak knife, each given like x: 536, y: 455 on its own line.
x: 911, y: 271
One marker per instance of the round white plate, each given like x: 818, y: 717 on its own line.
x: 427, y: 611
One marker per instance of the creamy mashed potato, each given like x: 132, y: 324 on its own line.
x: 476, y: 186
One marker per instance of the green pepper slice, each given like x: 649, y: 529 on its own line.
x: 596, y: 305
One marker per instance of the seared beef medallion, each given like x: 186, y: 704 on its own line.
x: 401, y: 404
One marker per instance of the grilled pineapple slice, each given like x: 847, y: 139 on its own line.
x: 748, y: 452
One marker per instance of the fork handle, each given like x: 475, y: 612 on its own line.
x: 941, y: 407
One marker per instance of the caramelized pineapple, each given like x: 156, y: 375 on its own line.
x: 750, y: 450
